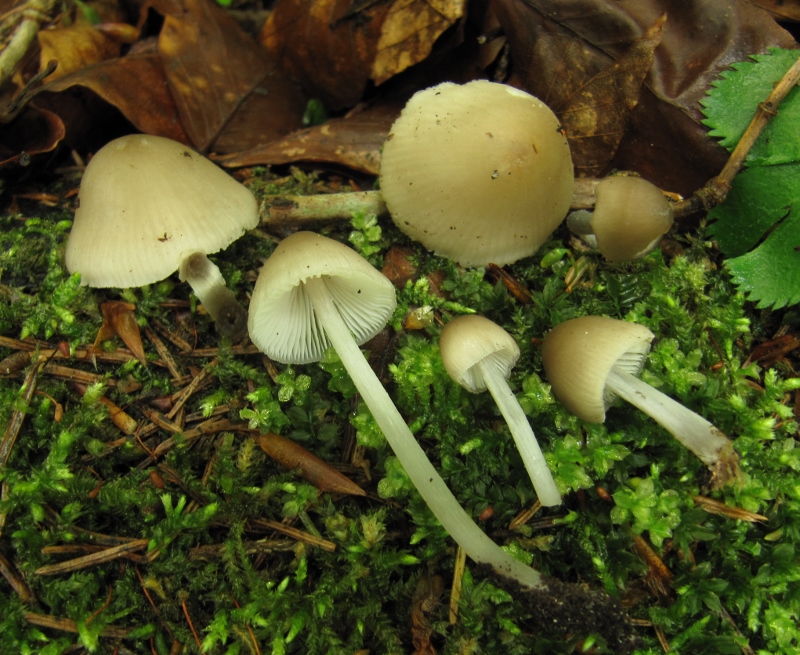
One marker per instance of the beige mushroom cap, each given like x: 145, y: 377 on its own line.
x: 467, y: 340
x: 147, y: 202
x: 282, y: 322
x: 579, y: 354
x: 480, y: 173
x: 630, y: 217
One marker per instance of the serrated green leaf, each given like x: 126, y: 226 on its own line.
x: 732, y: 102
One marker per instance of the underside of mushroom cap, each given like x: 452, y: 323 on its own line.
x: 147, y: 202
x: 480, y: 173
x: 468, y: 340
x: 579, y: 354
x: 281, y: 320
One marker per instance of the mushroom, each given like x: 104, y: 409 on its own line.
x: 480, y: 173
x: 149, y: 206
x: 630, y: 217
x: 590, y: 361
x: 479, y: 355
x: 313, y: 293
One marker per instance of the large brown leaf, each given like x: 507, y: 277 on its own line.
x: 354, y: 141
x: 665, y: 140
x: 32, y: 132
x: 214, y: 69
x: 75, y: 47
x: 137, y: 86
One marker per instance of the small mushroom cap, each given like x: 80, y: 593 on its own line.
x: 281, y: 320
x: 480, y: 173
x: 630, y: 217
x: 467, y: 340
x: 579, y: 354
x: 147, y: 202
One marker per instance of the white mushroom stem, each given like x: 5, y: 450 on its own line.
x: 478, y: 546
x: 219, y: 301
x: 693, y: 431
x: 521, y: 430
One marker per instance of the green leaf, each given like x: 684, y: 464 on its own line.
x: 734, y: 99
x: 758, y: 227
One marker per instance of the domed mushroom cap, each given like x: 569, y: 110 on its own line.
x: 479, y: 173
x: 467, y: 340
x: 282, y: 322
x: 630, y: 217
x: 147, y: 202
x: 579, y: 354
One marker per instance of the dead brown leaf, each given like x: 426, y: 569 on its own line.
x: 426, y: 597
x: 326, y: 44
x: 214, y: 69
x: 783, y: 10
x: 664, y: 139
x: 596, y: 112
x: 409, y: 31
x: 119, y: 320
x: 75, y: 47
x: 32, y: 132
x: 137, y: 86
x: 354, y: 141
x: 398, y: 266
x: 308, y: 466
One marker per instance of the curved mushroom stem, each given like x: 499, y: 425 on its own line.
x: 426, y: 479
x: 713, y: 448
x: 521, y: 430
x: 208, y: 285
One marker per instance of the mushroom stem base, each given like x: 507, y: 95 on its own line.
x: 521, y: 430
x: 713, y: 448
x: 426, y: 479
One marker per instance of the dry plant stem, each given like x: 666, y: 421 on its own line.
x: 712, y: 447
x: 35, y: 13
x: 68, y: 625
x: 430, y: 485
x: 524, y: 438
x: 94, y: 559
x: 716, y: 189
x: 17, y: 418
x: 299, y: 210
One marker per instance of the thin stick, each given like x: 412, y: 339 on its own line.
x: 36, y: 12
x: 716, y: 189
x: 68, y: 625
x: 94, y: 559
x: 18, y: 417
x: 191, y: 625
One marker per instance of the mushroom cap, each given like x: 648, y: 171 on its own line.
x: 480, y: 173
x: 467, y: 340
x: 579, y: 354
x: 281, y: 319
x: 630, y: 217
x: 147, y: 202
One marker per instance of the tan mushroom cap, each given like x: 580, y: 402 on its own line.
x: 630, y: 217
x: 579, y: 354
x: 480, y: 173
x: 147, y: 202
x: 467, y: 340
x: 281, y: 320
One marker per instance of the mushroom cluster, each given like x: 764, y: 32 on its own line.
x: 149, y: 206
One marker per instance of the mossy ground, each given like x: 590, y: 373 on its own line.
x: 728, y: 586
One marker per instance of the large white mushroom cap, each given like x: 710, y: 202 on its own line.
x: 147, y: 202
x: 480, y: 173
x: 282, y: 322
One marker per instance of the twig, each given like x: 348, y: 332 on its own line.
x: 94, y: 559
x: 35, y: 13
x: 716, y: 189
x: 191, y: 625
x: 455, y: 589
x: 68, y: 625
x: 14, y: 579
x: 18, y: 417
x: 294, y: 533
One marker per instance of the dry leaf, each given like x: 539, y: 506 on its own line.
x: 659, y: 577
x: 665, y: 140
x: 783, y: 10
x: 32, y: 132
x: 119, y: 320
x: 74, y: 48
x: 409, y: 31
x: 398, y: 266
x: 213, y: 67
x: 597, y: 111
x: 137, y: 86
x: 354, y: 142
x: 427, y: 597
x: 307, y: 465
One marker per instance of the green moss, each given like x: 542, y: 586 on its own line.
x: 625, y: 477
